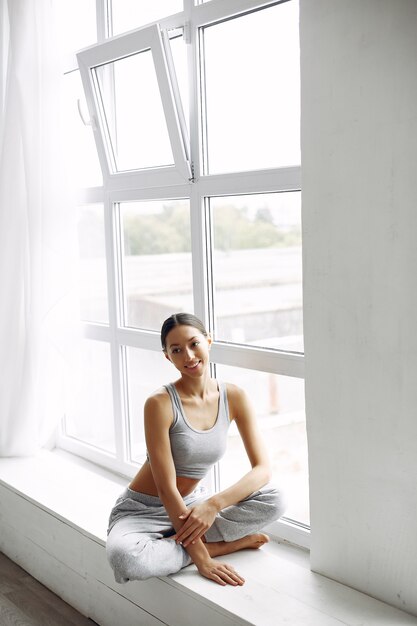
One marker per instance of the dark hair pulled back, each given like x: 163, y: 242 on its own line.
x: 180, y: 319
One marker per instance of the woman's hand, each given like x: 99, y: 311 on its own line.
x: 221, y: 573
x: 198, y: 520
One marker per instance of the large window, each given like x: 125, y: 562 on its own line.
x: 191, y: 111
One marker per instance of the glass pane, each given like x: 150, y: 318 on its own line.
x: 89, y: 413
x: 80, y: 150
x: 146, y: 371
x: 134, y: 114
x: 279, y: 405
x: 92, y: 264
x: 253, y: 90
x: 76, y: 24
x: 157, y: 270
x: 130, y: 14
x: 257, y: 270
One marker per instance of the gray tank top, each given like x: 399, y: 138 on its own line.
x: 196, y: 451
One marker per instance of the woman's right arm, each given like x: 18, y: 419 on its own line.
x: 157, y: 424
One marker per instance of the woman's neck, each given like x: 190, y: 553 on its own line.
x: 195, y: 387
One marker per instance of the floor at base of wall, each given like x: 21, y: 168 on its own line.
x: 24, y: 601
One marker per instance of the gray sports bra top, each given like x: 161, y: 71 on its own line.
x: 196, y: 451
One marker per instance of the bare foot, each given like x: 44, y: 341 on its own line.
x: 219, y: 548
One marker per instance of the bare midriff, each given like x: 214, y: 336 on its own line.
x: 144, y: 482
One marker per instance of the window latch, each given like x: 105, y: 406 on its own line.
x: 192, y: 179
x: 87, y: 122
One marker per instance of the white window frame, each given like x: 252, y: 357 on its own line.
x: 148, y: 38
x: 132, y: 186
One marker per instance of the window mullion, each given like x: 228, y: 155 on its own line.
x: 215, y: 10
x: 199, y: 244
x: 114, y: 296
x: 262, y: 359
x: 258, y: 181
x: 194, y: 93
x: 199, y: 256
x: 200, y: 218
x: 102, y: 15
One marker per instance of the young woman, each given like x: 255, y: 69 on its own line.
x: 165, y: 519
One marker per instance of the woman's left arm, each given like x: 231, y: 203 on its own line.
x: 242, y: 412
x: 201, y: 517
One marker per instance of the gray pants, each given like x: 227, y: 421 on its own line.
x: 137, y: 543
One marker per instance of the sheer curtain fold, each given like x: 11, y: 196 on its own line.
x: 35, y: 230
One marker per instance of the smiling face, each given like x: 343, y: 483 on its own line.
x: 188, y: 349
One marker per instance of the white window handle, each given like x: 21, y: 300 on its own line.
x: 87, y: 122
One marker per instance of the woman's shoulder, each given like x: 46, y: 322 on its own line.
x: 159, y: 401
x: 240, y: 405
x: 235, y: 395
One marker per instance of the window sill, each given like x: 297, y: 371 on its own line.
x: 74, y: 497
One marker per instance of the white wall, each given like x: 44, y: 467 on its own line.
x: 359, y: 161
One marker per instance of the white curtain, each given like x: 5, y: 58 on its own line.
x: 35, y: 230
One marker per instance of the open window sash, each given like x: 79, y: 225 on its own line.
x: 135, y: 110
